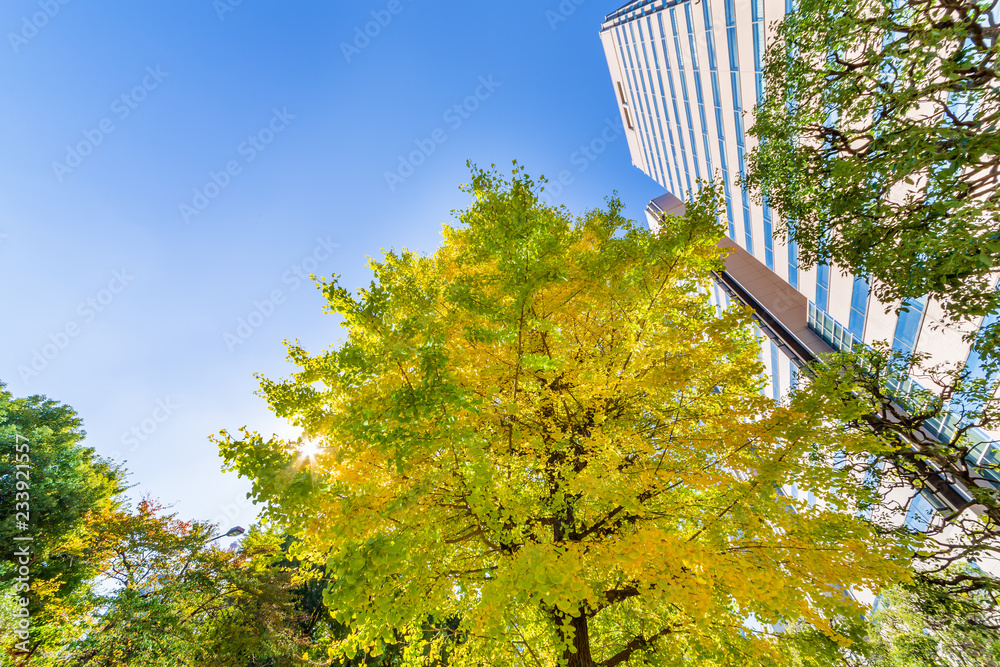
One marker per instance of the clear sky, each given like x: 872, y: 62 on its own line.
x: 169, y: 168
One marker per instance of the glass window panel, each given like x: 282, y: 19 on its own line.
x: 918, y: 517
x: 793, y: 264
x: 908, y: 326
x: 775, y: 374
x: 823, y: 287
x: 859, y: 307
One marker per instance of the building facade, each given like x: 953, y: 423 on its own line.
x: 686, y: 75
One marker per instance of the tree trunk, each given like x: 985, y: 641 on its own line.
x: 581, y: 641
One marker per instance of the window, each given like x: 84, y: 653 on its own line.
x: 714, y: 71
x: 859, y: 308
x: 768, y: 237
x: 908, y: 325
x: 974, y: 363
x: 684, y: 91
x: 775, y: 374
x: 757, y: 7
x: 666, y: 113
x: 651, y: 109
x: 734, y: 73
x: 731, y: 37
x: 873, y: 479
x: 718, y: 299
x: 696, y: 72
x: 636, y: 100
x: 793, y: 263
x: 918, y: 516
x: 978, y: 370
x: 823, y: 287
x: 673, y: 99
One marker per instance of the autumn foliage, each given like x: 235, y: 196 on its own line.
x: 542, y: 445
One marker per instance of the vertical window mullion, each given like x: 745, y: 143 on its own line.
x: 696, y: 75
x: 734, y: 74
x: 720, y: 128
x: 684, y: 91
x: 673, y: 99
x: 633, y: 94
x: 654, y: 105
x: 644, y: 99
x: 663, y: 98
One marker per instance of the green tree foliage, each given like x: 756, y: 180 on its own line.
x: 167, y: 595
x: 950, y: 604
x: 113, y: 585
x: 67, y: 480
x: 62, y: 481
x: 315, y: 619
x: 541, y: 445
x: 879, y: 149
x: 879, y: 145
x: 949, y: 619
x: 906, y: 422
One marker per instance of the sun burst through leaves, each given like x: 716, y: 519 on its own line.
x: 308, y: 450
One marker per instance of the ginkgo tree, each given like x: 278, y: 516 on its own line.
x: 541, y: 445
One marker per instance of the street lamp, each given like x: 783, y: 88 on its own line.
x: 232, y: 532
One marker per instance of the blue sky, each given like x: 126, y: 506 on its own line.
x: 172, y: 167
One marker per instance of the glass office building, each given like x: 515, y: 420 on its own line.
x: 686, y: 76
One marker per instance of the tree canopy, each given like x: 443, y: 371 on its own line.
x: 109, y: 583
x: 541, y: 445
x: 879, y: 150
x: 879, y: 145
x: 933, y: 434
x: 49, y: 484
x: 167, y: 595
x: 933, y: 620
